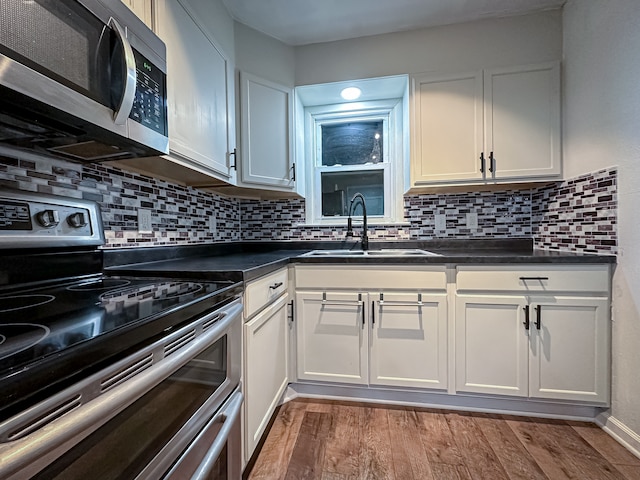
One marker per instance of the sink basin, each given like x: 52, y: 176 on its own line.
x: 390, y: 252
x: 400, y: 252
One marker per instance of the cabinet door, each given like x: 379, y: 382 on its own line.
x: 332, y: 337
x: 266, y: 367
x: 409, y: 340
x: 267, y: 140
x: 570, y: 351
x: 492, y: 345
x: 522, y: 120
x: 200, y: 91
x: 446, y: 128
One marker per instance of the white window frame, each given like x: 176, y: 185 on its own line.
x: 390, y: 112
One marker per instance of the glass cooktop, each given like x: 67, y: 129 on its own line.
x: 51, y: 331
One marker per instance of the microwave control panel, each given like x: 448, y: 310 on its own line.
x: 150, y: 105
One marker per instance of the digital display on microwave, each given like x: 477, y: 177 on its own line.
x: 149, y: 107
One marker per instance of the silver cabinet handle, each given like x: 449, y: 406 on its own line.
x: 230, y: 415
x: 131, y: 78
x: 401, y: 304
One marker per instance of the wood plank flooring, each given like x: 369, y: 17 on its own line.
x: 327, y: 440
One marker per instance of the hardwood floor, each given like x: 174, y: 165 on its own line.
x: 326, y: 440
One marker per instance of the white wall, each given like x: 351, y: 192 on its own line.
x: 453, y: 48
x: 264, y: 56
x: 602, y: 128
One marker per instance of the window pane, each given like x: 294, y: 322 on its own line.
x: 339, y: 188
x: 353, y: 143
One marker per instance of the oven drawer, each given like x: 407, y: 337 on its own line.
x: 261, y: 292
x: 216, y: 451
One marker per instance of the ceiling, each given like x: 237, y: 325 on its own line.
x: 301, y: 22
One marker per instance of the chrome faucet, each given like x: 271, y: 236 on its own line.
x: 364, y: 238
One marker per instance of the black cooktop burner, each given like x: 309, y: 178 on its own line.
x: 19, y: 302
x: 102, y: 285
x: 16, y: 337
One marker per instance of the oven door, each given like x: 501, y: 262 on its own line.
x: 144, y: 425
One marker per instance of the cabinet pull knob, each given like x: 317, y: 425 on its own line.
x: 526, y: 317
x: 538, y: 317
x: 540, y: 279
x: 492, y: 163
x: 482, y: 162
x: 275, y: 286
x: 293, y: 172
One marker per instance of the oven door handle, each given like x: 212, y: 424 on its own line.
x: 229, y: 416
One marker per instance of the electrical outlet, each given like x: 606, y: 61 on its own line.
x: 144, y: 221
x: 213, y: 225
x: 441, y: 222
x: 472, y: 220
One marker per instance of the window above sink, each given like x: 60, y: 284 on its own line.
x: 355, y: 147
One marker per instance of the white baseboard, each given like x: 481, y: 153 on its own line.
x: 618, y: 430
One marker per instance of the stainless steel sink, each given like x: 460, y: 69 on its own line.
x: 399, y: 252
x: 389, y: 252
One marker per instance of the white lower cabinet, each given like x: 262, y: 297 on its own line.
x: 408, y: 340
x: 491, y: 345
x: 381, y: 337
x: 333, y: 337
x: 529, y: 341
x: 570, y: 351
x: 266, y: 340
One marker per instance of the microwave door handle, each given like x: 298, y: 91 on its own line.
x: 129, y: 91
x: 229, y: 416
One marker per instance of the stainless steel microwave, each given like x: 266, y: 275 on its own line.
x: 81, y: 79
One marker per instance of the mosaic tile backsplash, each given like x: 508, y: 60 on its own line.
x: 578, y: 214
x: 573, y: 215
x: 500, y: 214
x: 180, y: 215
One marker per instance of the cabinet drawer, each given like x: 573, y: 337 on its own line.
x: 533, y: 278
x: 261, y: 292
x: 372, y: 278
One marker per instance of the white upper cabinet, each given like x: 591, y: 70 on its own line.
x: 266, y: 134
x: 496, y: 125
x: 446, y: 128
x: 200, y: 92
x: 522, y: 121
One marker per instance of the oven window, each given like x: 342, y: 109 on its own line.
x: 122, y: 447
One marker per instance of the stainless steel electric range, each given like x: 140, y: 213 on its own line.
x: 108, y: 376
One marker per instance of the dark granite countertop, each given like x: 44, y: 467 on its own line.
x: 245, y: 261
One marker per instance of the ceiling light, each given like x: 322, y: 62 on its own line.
x: 350, y: 93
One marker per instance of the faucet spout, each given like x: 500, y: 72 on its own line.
x: 364, y: 237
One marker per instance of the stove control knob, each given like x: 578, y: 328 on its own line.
x: 48, y: 218
x: 77, y: 220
